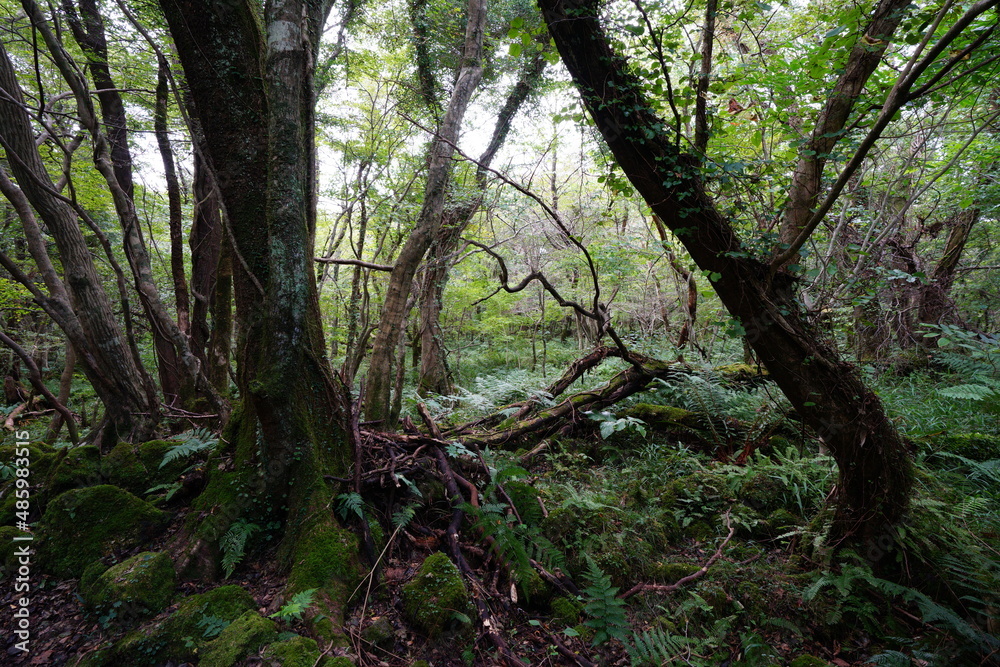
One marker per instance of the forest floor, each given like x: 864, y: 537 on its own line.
x: 632, y: 541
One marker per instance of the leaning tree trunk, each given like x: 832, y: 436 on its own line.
x: 380, y: 371
x: 88, y: 31
x: 435, y: 376
x: 875, y: 472
x: 253, y: 94
x: 935, y: 304
x: 88, y: 318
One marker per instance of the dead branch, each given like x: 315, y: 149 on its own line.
x: 485, y: 615
x: 680, y: 583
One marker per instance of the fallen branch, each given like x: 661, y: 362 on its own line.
x: 680, y: 583
x: 36, y: 381
x: 485, y: 615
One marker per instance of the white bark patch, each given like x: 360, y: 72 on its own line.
x: 283, y: 36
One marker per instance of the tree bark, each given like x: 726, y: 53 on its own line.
x: 121, y: 384
x: 861, y: 64
x: 875, y: 471
x: 935, y: 303
x: 181, y: 300
x: 251, y: 84
x: 380, y: 371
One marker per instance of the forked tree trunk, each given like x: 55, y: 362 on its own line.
x: 435, y: 376
x: 935, y: 303
x: 378, y: 404
x: 875, y: 471
x: 251, y: 84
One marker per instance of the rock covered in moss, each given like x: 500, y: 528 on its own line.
x: 83, y: 525
x: 566, y: 611
x: 74, y: 468
x: 380, y: 633
x: 136, y: 588
x: 763, y: 493
x: 182, y: 635
x: 242, y: 637
x: 435, y: 596
x: 325, y: 560
x: 139, y: 468
x: 297, y: 651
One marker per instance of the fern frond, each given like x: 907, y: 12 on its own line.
x: 233, y: 544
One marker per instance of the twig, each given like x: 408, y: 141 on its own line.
x: 669, y: 588
x: 565, y: 650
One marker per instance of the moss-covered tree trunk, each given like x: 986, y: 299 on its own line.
x: 251, y: 82
x: 875, y: 471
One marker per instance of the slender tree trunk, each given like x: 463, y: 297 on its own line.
x: 380, y: 375
x: 173, y: 197
x: 875, y: 471
x: 65, y: 385
x: 121, y: 384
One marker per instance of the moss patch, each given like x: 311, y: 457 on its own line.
x: 808, y: 661
x: 295, y: 652
x: 138, y: 587
x: 83, y: 525
x: 434, y: 597
x: 198, y: 620
x: 975, y: 446
x: 325, y: 558
x: 76, y: 468
x: 242, y: 637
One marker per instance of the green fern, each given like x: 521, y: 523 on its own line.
x: 890, y: 659
x: 299, y: 604
x: 350, y: 504
x: 191, y: 443
x: 605, y: 611
x: 655, y: 647
x: 234, y: 543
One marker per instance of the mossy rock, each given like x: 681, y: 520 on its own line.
x: 808, y: 661
x: 325, y: 559
x: 380, y: 633
x: 532, y: 591
x: 566, y: 611
x: 40, y: 457
x: 704, y: 488
x: 182, y: 635
x: 242, y: 637
x: 434, y: 597
x: 762, y: 493
x: 9, y: 549
x: 137, y: 468
x: 83, y: 525
x: 975, y: 446
x: 295, y: 652
x: 73, y: 469
x: 138, y: 587
x: 781, y: 521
